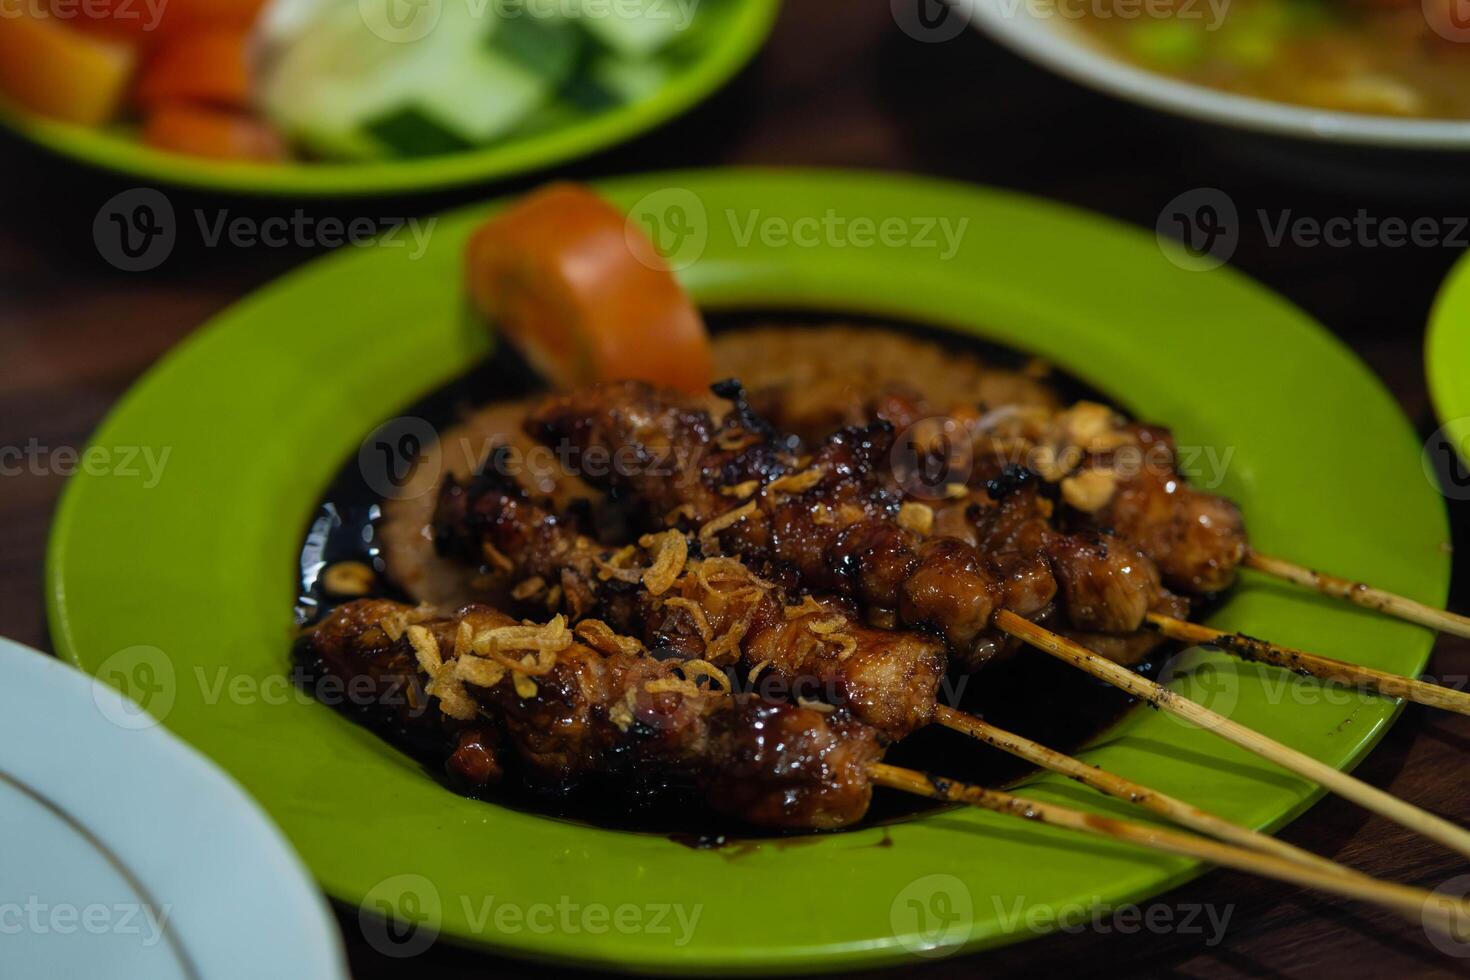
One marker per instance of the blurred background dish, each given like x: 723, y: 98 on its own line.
x: 140, y: 858
x: 1446, y: 358
x: 1394, y: 73
x: 359, y: 96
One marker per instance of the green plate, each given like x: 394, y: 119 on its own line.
x: 260, y: 409
x: 1447, y: 359
x: 727, y: 34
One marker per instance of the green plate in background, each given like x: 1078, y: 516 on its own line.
x: 725, y: 37
x: 260, y: 409
x: 1447, y: 359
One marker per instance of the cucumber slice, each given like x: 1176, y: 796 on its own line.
x: 609, y: 82
x: 345, y: 92
x: 548, y: 48
x: 485, y: 97
x: 635, y: 28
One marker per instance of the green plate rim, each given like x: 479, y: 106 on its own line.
x: 720, y: 284
x: 1447, y: 355
x: 749, y: 26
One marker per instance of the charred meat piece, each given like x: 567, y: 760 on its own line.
x: 711, y: 609
x: 1197, y: 538
x: 837, y: 526
x: 830, y: 518
x: 563, y: 711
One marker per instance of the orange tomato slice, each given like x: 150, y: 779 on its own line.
x: 146, y: 22
x: 219, y: 134
x: 584, y: 295
x: 206, y: 66
x: 51, y: 70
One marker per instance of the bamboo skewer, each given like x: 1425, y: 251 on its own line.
x: 1110, y: 784
x: 1369, y: 797
x: 1361, y: 594
x: 1302, y: 662
x: 1445, y: 913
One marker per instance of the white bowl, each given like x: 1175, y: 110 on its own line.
x: 1052, y: 41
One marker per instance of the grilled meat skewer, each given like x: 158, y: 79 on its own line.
x: 833, y: 519
x: 713, y: 609
x: 1117, y: 474
x: 494, y: 690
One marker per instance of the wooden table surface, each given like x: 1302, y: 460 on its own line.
x: 841, y: 85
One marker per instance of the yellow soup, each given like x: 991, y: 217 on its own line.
x: 1381, y: 57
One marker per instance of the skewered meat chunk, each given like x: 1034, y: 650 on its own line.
x: 1122, y: 477
x: 832, y: 521
x: 711, y: 609
x: 1195, y: 538
x: 840, y: 530
x: 570, y: 711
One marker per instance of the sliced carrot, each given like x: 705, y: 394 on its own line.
x: 584, y: 295
x: 219, y: 134
x: 50, y: 69
x: 207, y: 66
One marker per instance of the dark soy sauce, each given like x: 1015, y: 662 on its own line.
x: 1029, y: 693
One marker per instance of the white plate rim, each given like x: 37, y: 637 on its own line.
x: 287, y: 933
